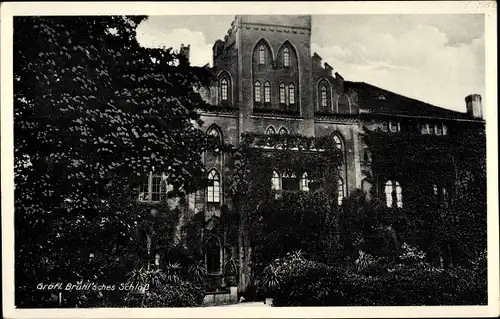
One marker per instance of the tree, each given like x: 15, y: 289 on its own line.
x: 94, y: 113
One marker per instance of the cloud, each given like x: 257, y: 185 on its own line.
x: 200, y: 51
x: 418, y: 62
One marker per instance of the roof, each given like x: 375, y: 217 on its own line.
x: 369, y: 99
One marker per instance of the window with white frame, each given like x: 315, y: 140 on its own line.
x: 393, y: 193
x: 267, y: 92
x: 286, y: 57
x: 282, y: 94
x: 291, y: 94
x: 257, y: 91
x: 224, y: 89
x: 213, y: 188
x: 337, y: 141
x: 262, y: 55
x: 154, y: 188
x: 323, y: 98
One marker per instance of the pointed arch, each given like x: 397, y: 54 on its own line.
x: 304, y: 183
x: 267, y: 92
x: 324, y: 95
x: 225, y: 87
x: 338, y: 140
x: 276, y: 180
x: 268, y: 52
x: 282, y: 93
x: 257, y: 91
x: 283, y: 130
x: 215, y: 131
x: 291, y: 94
x: 292, y: 54
x: 270, y: 130
x: 213, y: 255
x: 343, y: 104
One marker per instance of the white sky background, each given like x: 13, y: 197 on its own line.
x: 438, y: 59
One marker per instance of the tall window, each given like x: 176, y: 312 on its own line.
x: 394, y: 126
x: 257, y: 91
x: 154, y: 188
x: 323, y: 99
x: 291, y: 93
x: 270, y: 130
x: 393, y: 189
x: 337, y: 141
x: 282, y: 94
x: 283, y: 130
x: 304, y: 183
x: 438, y: 129
x: 340, y: 191
x: 276, y: 181
x: 424, y: 129
x: 214, y: 131
x: 213, y: 189
x: 267, y: 92
x: 286, y: 57
x: 262, y: 55
x: 213, y: 255
x: 223, y: 88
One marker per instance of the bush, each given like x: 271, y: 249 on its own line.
x: 403, y: 285
x: 183, y: 294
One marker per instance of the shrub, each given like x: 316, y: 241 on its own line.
x: 183, y: 294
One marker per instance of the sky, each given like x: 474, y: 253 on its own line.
x: 435, y: 58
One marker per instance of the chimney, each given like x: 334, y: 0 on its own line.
x: 474, y: 106
x: 328, y: 69
x: 185, y: 50
x: 316, y: 61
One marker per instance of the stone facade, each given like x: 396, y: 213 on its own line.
x: 305, y: 97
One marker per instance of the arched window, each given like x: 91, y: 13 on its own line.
x: 291, y: 93
x: 340, y: 191
x: 286, y: 57
x: 304, y: 183
x: 323, y: 97
x: 343, y: 105
x: 262, y: 55
x: 337, y: 141
x: 435, y: 189
x: 267, y: 92
x: 213, y: 189
x: 282, y: 94
x: 283, y: 130
x: 276, y: 181
x: 223, y: 89
x: 213, y: 255
x: 215, y: 132
x: 257, y: 91
x: 270, y: 130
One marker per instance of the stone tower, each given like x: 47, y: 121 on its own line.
x: 474, y: 106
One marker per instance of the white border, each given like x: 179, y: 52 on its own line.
x: 8, y: 10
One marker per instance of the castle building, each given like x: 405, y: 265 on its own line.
x: 268, y: 81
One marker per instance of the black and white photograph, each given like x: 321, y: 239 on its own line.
x: 312, y: 156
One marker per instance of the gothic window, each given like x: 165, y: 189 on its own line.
x: 435, y: 189
x: 213, y: 255
x: 425, y: 129
x: 323, y: 97
x: 286, y: 57
x: 304, y: 183
x: 283, y: 130
x: 276, y: 181
x: 257, y: 91
x: 215, y: 132
x: 282, y: 94
x: 388, y: 193
x: 340, y: 191
x: 337, y: 141
x: 270, y: 130
x: 291, y: 93
x: 262, y: 55
x: 153, y: 189
x: 213, y: 189
x: 224, y: 89
x: 267, y: 92
x: 399, y: 195
x: 343, y: 104
x: 438, y: 129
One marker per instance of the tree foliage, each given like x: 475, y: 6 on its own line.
x: 94, y: 113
